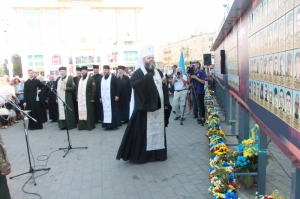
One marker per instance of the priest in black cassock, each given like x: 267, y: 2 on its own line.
x: 43, y: 98
x: 86, y: 98
x: 76, y: 80
x: 98, y: 105
x: 144, y: 139
x: 125, y: 94
x: 31, y: 90
x: 51, y: 99
x: 109, y: 97
x: 65, y: 87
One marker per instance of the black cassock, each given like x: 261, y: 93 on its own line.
x: 98, y: 111
x: 114, y: 91
x: 75, y: 103
x: 43, y: 98
x: 134, y: 142
x: 30, y: 92
x: 124, y: 101
x: 52, y: 105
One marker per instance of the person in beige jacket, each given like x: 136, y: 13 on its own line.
x: 5, y: 169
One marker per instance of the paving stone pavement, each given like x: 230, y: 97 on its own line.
x: 95, y: 172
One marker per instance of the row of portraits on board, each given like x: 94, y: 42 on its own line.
x: 268, y: 11
x: 234, y: 81
x: 283, y: 34
x: 279, y: 68
x: 281, y: 101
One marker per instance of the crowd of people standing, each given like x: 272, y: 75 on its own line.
x: 106, y: 99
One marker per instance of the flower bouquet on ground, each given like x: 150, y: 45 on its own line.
x: 223, y: 182
x: 274, y: 195
x: 246, y: 160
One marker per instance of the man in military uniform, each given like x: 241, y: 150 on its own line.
x: 4, y: 170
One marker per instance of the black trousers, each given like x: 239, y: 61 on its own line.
x: 4, y: 191
x: 4, y: 120
x: 201, y: 105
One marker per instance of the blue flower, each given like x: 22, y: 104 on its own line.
x: 231, y: 195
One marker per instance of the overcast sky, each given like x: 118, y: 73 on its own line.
x: 163, y: 20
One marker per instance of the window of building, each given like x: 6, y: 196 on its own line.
x: 56, y: 60
x: 35, y: 60
x: 70, y: 60
x: 128, y: 42
x: 113, y: 57
x: 210, y: 39
x: 130, y: 56
x: 84, y: 59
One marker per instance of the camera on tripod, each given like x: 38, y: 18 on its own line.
x: 190, y: 69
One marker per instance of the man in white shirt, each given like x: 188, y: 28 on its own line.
x: 180, y: 93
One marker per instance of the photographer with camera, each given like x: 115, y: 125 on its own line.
x: 199, y: 83
x: 180, y: 92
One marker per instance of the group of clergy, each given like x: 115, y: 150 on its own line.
x: 84, y: 100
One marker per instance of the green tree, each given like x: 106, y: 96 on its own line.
x: 3, y: 68
x: 17, y: 65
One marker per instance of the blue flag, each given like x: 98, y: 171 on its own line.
x: 181, y: 63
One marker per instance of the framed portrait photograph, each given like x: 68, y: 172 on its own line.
x: 289, y: 30
x: 265, y: 95
x: 288, y: 106
x: 257, y: 92
x: 296, y: 112
x: 275, y: 99
x: 265, y: 13
x: 270, y: 38
x: 296, y: 70
x: 253, y: 89
x: 275, y: 36
x: 281, y: 8
x: 270, y: 98
x: 275, y: 9
x: 270, y: 68
x: 297, y: 27
x: 281, y: 105
x: 281, y: 68
x: 289, y: 4
x: 289, y: 69
x: 265, y: 69
x: 275, y: 77
x: 281, y: 46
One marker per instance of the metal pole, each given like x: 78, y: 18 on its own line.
x: 243, y: 127
x: 262, y: 162
x: 227, y: 107
x: 233, y: 115
x: 295, y: 191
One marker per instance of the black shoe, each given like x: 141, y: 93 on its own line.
x: 182, y: 119
x: 177, y: 118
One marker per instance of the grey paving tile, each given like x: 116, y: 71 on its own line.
x: 96, y: 173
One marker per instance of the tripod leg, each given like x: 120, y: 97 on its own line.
x: 19, y: 175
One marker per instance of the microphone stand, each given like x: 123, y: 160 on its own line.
x: 26, y: 117
x: 67, y: 124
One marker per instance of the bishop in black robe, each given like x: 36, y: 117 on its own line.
x: 134, y: 142
x: 125, y: 94
x: 98, y: 110
x: 51, y: 100
x: 31, y: 87
x: 114, y: 98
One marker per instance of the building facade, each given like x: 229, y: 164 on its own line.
x: 193, y: 49
x: 74, y: 33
